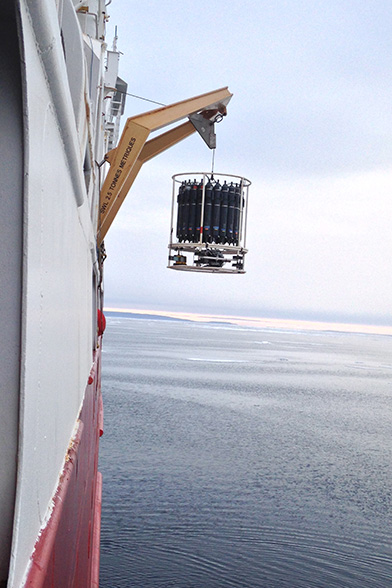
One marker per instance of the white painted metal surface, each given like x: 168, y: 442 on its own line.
x: 64, y: 135
x: 11, y: 224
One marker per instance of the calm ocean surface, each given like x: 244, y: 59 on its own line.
x: 235, y: 457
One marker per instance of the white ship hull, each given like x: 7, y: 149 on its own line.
x: 53, y: 133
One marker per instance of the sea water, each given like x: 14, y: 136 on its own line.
x: 238, y: 457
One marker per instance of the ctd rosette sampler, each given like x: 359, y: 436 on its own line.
x: 208, y: 223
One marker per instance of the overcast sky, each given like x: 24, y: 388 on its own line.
x: 310, y: 124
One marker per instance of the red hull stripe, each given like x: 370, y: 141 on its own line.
x: 66, y: 553
x: 44, y: 546
x: 97, y: 533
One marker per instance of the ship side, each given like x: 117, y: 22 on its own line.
x: 60, y: 106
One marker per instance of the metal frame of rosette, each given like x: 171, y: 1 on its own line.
x: 208, y: 223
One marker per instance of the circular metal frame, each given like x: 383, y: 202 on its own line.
x: 246, y: 182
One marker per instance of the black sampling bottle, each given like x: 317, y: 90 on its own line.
x: 224, y: 213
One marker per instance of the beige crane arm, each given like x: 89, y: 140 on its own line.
x: 133, y: 149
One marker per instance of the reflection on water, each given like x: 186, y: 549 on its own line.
x: 263, y: 462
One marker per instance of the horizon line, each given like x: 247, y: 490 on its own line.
x: 259, y: 322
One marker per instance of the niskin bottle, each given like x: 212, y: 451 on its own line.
x: 237, y: 213
x: 185, y: 212
x: 180, y: 198
x: 223, y: 214
x: 192, y: 213
x: 217, y: 196
x: 208, y: 194
x: 199, y: 221
x: 230, y: 215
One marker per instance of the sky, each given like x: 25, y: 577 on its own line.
x: 309, y: 124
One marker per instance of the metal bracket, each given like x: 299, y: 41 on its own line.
x: 205, y: 128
